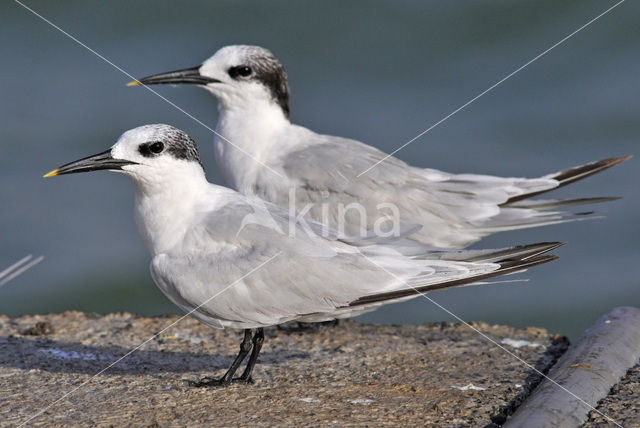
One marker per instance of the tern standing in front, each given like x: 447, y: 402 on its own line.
x: 260, y: 152
x: 235, y: 261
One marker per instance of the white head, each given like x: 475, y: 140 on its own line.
x: 239, y: 76
x: 152, y: 155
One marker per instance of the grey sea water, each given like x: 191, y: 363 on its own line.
x: 380, y: 72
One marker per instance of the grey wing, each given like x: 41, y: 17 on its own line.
x: 333, y: 164
x: 392, y: 195
x: 455, y: 210
x: 267, y: 285
x: 252, y: 275
x: 241, y: 266
x: 327, y: 188
x: 263, y: 283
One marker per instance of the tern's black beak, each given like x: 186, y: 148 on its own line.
x: 102, y: 160
x: 188, y: 75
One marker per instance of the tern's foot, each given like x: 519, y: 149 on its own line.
x: 210, y: 382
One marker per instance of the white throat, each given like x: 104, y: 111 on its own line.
x: 165, y: 206
x: 249, y: 127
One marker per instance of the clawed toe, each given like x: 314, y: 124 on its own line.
x: 210, y: 382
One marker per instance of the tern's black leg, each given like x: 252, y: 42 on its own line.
x: 245, y: 347
x: 258, y: 339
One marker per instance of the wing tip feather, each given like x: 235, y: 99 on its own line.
x: 574, y: 174
x: 507, y: 266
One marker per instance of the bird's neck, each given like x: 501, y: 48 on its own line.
x: 249, y: 135
x: 166, y: 206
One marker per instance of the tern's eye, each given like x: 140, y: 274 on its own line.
x: 240, y: 71
x: 156, y: 147
x: 150, y: 149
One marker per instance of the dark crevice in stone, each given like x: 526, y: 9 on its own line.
x: 558, y: 347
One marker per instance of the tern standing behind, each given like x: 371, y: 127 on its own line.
x: 259, y: 151
x: 235, y: 261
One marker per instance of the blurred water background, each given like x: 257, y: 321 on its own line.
x: 380, y: 72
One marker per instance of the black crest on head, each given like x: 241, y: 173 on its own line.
x: 267, y: 69
x: 167, y: 139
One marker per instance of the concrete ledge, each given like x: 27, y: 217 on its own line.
x: 353, y: 374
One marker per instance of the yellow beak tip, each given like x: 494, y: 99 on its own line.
x: 134, y: 83
x: 51, y: 173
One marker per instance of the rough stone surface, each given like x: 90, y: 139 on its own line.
x: 350, y: 374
